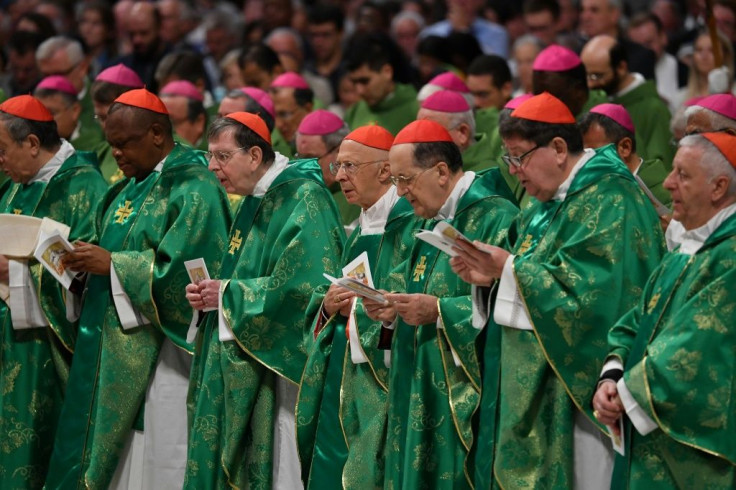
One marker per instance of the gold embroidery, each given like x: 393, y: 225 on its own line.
x: 420, y: 268
x: 235, y: 242
x: 653, y: 302
x: 123, y: 212
x: 17, y: 211
x: 525, y: 245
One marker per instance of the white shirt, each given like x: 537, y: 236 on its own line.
x: 690, y: 241
x: 373, y: 220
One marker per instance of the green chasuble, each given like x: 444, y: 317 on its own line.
x: 478, y: 156
x: 652, y: 121
x: 486, y: 121
x: 88, y: 137
x: 4, y: 183
x: 348, y: 212
x: 435, y: 376
x: 108, y: 166
x: 677, y: 346
x: 280, y: 245
x: 34, y: 362
x: 341, y: 411
x: 579, y: 265
x: 280, y: 145
x: 595, y: 97
x: 151, y: 227
x: 652, y: 173
x: 393, y: 113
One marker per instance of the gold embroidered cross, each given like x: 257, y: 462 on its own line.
x: 420, y: 268
x: 123, y: 212
x: 17, y: 211
x: 525, y: 245
x: 653, y: 302
x: 235, y: 242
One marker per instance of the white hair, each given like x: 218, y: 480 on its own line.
x: 49, y: 47
x: 712, y: 161
x: 717, y: 121
x: 288, y: 32
x: 406, y: 15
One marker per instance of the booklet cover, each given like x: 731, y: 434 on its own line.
x: 444, y: 236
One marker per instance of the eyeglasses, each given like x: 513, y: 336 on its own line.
x: 350, y: 168
x: 517, y: 161
x: 406, y: 182
x: 595, y: 77
x: 222, y: 156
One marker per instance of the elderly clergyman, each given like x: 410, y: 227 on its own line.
x: 566, y: 280
x: 669, y: 370
x: 49, y: 179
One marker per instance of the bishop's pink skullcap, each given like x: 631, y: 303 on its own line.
x: 450, y: 81
x: 723, y: 104
x: 446, y: 101
x: 120, y: 75
x: 262, y: 97
x: 616, y: 112
x: 291, y: 80
x: 556, y: 58
x: 185, y: 88
x: 517, y: 101
x: 58, y: 83
x: 320, y: 122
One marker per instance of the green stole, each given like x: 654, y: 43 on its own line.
x: 35, y: 362
x: 431, y: 400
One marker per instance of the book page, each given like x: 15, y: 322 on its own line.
x: 50, y: 252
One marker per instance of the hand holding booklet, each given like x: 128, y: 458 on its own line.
x: 444, y: 236
x: 358, y: 279
x: 50, y: 252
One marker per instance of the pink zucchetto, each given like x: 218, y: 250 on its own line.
x: 290, y: 80
x: 184, y: 88
x: 450, y: 81
x: 723, y: 104
x: 556, y: 58
x: 517, y: 101
x: 120, y: 75
x: 262, y: 97
x: 446, y: 101
x: 616, y: 112
x: 320, y: 122
x: 57, y: 83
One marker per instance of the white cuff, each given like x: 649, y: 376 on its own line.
x: 642, y: 422
x: 611, y: 363
x: 481, y: 306
x: 455, y: 357
x: 25, y: 310
x: 223, y: 332
x: 129, y: 316
x: 73, y: 305
x: 509, y: 310
x: 356, y: 350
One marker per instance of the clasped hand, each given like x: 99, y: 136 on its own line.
x: 414, y: 309
x: 337, y: 299
x: 475, y: 266
x: 607, y: 405
x: 204, y: 294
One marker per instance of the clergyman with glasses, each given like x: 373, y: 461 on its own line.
x: 319, y: 136
x: 585, y: 248
x: 346, y: 378
x: 250, y: 354
x: 435, y: 376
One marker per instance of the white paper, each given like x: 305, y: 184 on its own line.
x: 618, y: 441
x: 359, y: 269
x: 25, y: 310
x: 197, y: 270
x: 21, y: 234
x: 444, y: 236
x: 50, y: 252
x: 128, y: 315
x: 358, y: 288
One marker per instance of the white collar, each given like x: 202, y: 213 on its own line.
x: 447, y: 211
x: 47, y: 172
x: 636, y: 170
x: 561, y: 192
x: 690, y: 241
x: 75, y: 133
x: 373, y: 220
x: 638, y: 80
x: 278, y: 165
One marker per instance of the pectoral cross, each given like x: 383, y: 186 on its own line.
x: 123, y: 212
x: 525, y: 245
x: 17, y: 211
x: 420, y: 268
x: 235, y: 242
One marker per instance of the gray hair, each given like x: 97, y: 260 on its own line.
x: 49, y: 47
x: 406, y: 15
x: 717, y: 121
x: 285, y: 31
x: 527, y: 39
x: 712, y: 161
x: 19, y: 129
x: 334, y: 139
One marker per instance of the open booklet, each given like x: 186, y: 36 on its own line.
x: 358, y: 279
x: 49, y: 252
x: 21, y: 236
x: 444, y: 236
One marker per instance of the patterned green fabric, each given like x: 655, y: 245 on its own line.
x: 279, y: 247
x: 652, y: 121
x: 34, y: 363
x: 151, y: 227
x: 431, y: 399
x: 677, y: 348
x: 393, y: 113
x: 343, y: 405
x: 575, y: 279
